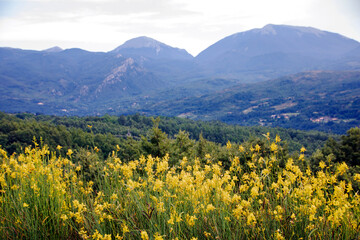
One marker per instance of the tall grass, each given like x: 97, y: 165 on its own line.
x: 261, y: 196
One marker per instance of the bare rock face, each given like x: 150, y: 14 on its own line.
x: 117, y: 74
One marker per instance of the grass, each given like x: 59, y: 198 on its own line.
x: 261, y: 196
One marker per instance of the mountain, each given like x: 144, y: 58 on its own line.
x: 168, y: 63
x: 276, y: 50
x: 145, y: 75
x: 321, y: 100
x: 75, y: 81
x: 54, y: 49
x: 40, y: 81
x: 151, y: 48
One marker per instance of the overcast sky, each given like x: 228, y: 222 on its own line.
x: 102, y: 25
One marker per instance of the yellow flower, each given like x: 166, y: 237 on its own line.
x: 241, y: 149
x: 273, y: 147
x: 158, y: 237
x: 25, y: 205
x: 277, y: 139
x: 190, y: 220
x: 210, y: 207
x: 96, y: 235
x: 251, y: 220
x: 255, y: 191
x: 207, y: 234
x: 303, y: 150
x: 83, y: 233
x: 158, y: 185
x: 64, y: 217
x: 69, y: 152
x: 96, y: 149
x: 265, y: 172
x: 160, y: 207
x: 171, y: 221
x: 278, y: 235
x: 322, y: 165
x: 342, y: 168
x: 114, y: 196
x: 228, y: 145
x: 59, y: 147
x: 106, y: 237
x: 357, y: 177
x: 118, y: 237
x: 144, y: 235
x: 125, y: 229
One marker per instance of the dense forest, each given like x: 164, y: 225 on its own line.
x: 17, y: 132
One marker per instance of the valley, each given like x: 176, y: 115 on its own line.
x: 278, y: 75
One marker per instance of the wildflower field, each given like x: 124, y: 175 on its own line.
x: 260, y: 194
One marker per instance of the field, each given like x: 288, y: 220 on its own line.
x: 261, y: 195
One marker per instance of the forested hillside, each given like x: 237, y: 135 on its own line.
x: 318, y: 100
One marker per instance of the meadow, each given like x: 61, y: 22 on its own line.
x: 261, y: 195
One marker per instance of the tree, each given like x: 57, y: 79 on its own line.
x: 350, y: 147
x: 183, y: 146
x: 157, y: 142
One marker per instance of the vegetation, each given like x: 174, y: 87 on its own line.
x: 17, y: 132
x: 79, y: 183
x: 259, y: 193
x: 316, y: 100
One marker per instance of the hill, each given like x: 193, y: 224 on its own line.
x: 322, y: 100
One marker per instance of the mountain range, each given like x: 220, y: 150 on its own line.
x: 145, y: 75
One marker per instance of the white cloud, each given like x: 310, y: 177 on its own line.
x: 190, y: 24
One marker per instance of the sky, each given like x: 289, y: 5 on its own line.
x: 194, y: 25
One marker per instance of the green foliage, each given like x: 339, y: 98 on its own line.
x: 156, y: 144
x: 183, y: 146
x: 346, y: 150
x: 139, y: 135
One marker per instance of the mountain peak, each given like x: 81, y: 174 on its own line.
x: 267, y: 29
x: 142, y: 42
x: 151, y: 48
x: 53, y: 49
x: 273, y: 29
